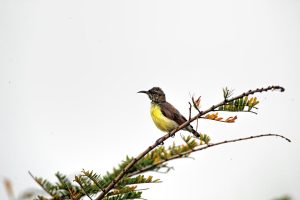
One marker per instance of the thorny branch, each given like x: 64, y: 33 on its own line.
x: 182, y: 126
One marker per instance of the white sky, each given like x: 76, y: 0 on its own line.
x: 70, y: 70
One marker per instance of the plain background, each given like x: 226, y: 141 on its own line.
x: 70, y: 70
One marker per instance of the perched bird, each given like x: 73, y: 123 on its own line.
x: 165, y: 116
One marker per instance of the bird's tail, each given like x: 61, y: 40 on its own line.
x: 192, y: 130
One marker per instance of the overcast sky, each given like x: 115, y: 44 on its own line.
x: 70, y: 72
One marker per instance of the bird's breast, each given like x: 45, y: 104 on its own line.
x: 161, y: 121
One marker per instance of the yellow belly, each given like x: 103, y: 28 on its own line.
x: 160, y: 120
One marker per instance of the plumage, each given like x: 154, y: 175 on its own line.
x: 171, y: 112
x: 160, y: 120
x: 164, y: 115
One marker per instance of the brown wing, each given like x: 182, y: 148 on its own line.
x: 172, y: 113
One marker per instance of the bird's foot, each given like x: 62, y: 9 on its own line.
x: 172, y: 134
x: 160, y: 142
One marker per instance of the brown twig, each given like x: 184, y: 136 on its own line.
x: 199, y: 148
x: 168, y: 135
x: 190, y: 111
x: 247, y: 111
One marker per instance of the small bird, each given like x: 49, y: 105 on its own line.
x: 165, y: 116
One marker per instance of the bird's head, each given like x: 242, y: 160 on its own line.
x: 155, y: 94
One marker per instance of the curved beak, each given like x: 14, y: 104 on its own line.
x: 143, y: 91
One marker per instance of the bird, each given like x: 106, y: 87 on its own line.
x: 164, y: 115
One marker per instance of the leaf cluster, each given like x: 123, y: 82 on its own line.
x: 244, y: 104
x: 157, y: 159
x: 89, y: 183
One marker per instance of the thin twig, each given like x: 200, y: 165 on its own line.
x: 190, y: 111
x: 168, y: 135
x: 248, y: 111
x: 199, y: 148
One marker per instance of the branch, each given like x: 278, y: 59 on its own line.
x: 182, y: 126
x: 247, y: 111
x: 200, y: 148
